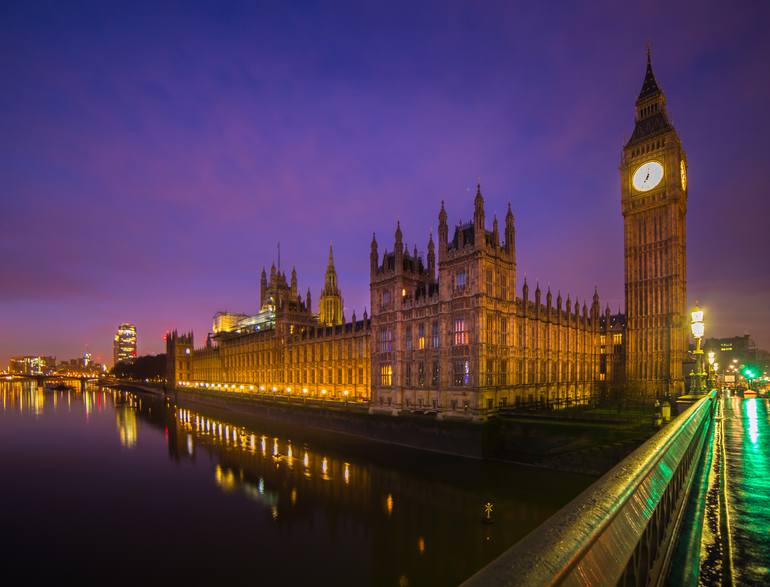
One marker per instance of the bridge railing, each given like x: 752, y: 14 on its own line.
x: 621, y: 530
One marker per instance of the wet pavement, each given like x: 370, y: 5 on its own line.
x: 746, y: 443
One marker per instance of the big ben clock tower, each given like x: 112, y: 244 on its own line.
x: 653, y: 180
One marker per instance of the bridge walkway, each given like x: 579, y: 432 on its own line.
x: 746, y: 453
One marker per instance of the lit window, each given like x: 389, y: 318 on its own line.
x: 460, y: 333
x: 386, y: 374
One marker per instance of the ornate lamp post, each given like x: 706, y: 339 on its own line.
x: 711, y: 375
x: 698, y: 329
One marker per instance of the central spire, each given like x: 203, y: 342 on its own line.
x: 649, y: 85
x: 330, y: 304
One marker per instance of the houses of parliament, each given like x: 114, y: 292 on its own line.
x: 454, y: 331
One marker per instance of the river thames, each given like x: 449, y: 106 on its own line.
x: 108, y: 486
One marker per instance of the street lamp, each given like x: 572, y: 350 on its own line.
x: 711, y: 356
x: 698, y: 329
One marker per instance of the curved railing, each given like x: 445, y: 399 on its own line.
x: 619, y: 531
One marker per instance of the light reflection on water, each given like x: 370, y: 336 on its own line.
x: 177, y: 481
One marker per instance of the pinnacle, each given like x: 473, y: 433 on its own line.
x: 650, y: 85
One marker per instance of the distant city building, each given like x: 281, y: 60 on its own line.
x: 741, y: 349
x: 124, y: 343
x: 83, y: 366
x: 31, y: 365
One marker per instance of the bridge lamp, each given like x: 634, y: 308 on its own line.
x: 711, y: 357
x: 696, y: 323
x: 698, y: 329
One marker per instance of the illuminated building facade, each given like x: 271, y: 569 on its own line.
x: 31, y: 365
x: 124, y: 343
x: 330, y: 304
x: 449, y: 332
x: 455, y: 336
x: 284, y: 348
x: 653, y: 174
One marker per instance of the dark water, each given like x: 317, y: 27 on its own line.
x: 107, y: 487
x: 747, y: 480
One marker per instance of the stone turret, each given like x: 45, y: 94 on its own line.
x: 431, y: 257
x: 525, y: 296
x: 262, y: 288
x: 478, y: 218
x: 330, y: 303
x: 510, y: 233
x: 373, y: 257
x: 443, y: 233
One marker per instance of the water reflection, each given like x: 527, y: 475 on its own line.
x: 125, y: 418
x: 393, y: 517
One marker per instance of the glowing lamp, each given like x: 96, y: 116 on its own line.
x: 711, y: 357
x: 697, y: 329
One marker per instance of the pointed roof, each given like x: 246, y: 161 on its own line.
x: 331, y: 257
x: 478, y: 193
x: 442, y: 213
x: 650, y: 85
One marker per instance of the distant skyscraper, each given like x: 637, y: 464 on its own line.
x: 124, y: 343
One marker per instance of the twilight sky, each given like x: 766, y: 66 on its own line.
x: 152, y: 156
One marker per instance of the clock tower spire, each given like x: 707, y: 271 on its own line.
x: 653, y: 174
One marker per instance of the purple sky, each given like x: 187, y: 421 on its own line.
x: 152, y: 157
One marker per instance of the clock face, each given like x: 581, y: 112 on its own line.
x: 647, y: 176
x: 683, y: 171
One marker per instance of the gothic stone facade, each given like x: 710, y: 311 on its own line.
x: 653, y: 174
x: 456, y: 337
x: 291, y: 352
x: 450, y: 332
